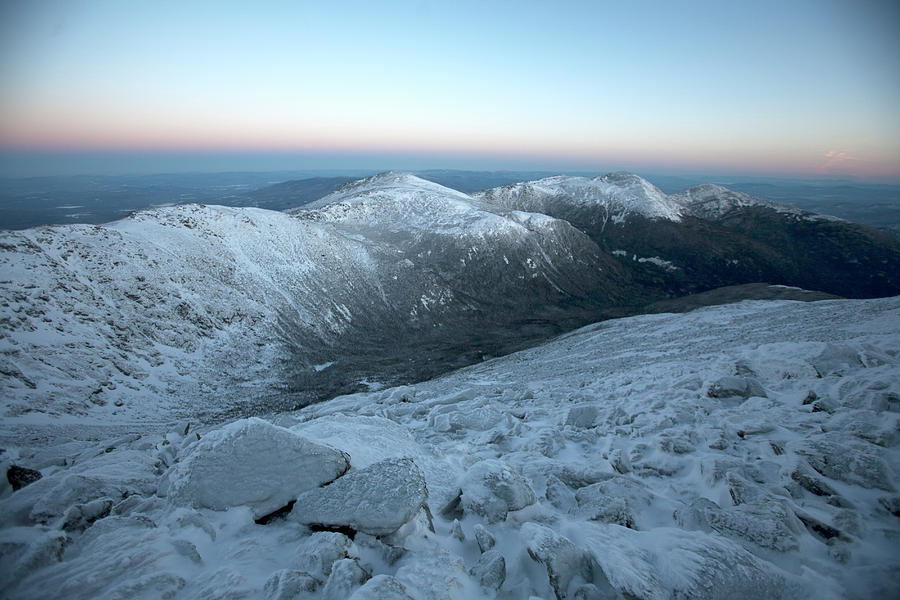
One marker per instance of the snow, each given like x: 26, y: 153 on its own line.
x: 710, y: 201
x: 620, y: 194
x: 178, y: 312
x: 645, y: 477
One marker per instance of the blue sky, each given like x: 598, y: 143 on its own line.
x: 806, y: 88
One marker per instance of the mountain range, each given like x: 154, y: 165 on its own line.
x: 234, y: 402
x: 386, y: 280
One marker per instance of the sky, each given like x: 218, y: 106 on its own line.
x: 807, y: 88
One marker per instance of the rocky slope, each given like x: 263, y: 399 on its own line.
x: 748, y: 450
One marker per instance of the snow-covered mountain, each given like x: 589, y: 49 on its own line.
x: 714, y: 202
x: 612, y: 197
x: 748, y: 450
x: 390, y: 279
x: 709, y: 236
x: 218, y: 309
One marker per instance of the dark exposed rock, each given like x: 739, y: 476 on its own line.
x: 18, y: 477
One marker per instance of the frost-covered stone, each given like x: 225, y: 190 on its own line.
x: 618, y: 500
x: 770, y: 524
x: 346, y: 576
x: 456, y: 531
x: 484, y: 538
x: 559, y: 494
x: 836, y: 359
x: 842, y: 457
x: 376, y: 500
x: 251, y: 463
x: 563, y: 560
x: 674, y: 563
x: 288, y: 584
x: 318, y: 552
x: 736, y: 387
x: 81, y: 516
x: 582, y: 416
x: 491, y: 489
x: 490, y: 570
x: 188, y: 550
x: 381, y: 587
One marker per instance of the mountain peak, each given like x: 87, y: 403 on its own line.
x: 621, y: 193
x: 385, y: 187
x: 711, y: 201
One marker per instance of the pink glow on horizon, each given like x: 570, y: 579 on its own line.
x: 65, y: 134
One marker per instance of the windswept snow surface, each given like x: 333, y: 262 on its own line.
x: 748, y: 450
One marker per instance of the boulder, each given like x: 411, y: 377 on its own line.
x: 490, y: 570
x: 484, y: 538
x: 562, y: 559
x: 736, y: 387
x: 770, y: 524
x: 251, y: 463
x: 583, y: 416
x: 618, y: 500
x: 491, y: 489
x: 377, y: 500
x: 346, y: 576
x: 18, y: 477
x: 82, y: 516
x: 319, y: 552
x: 288, y: 584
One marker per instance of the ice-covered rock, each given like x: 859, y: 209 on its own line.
x: 563, y: 560
x: 560, y: 495
x: 484, y: 538
x: 456, y: 531
x: 844, y: 458
x: 251, y: 463
x: 81, y: 516
x: 376, y: 500
x: 582, y: 416
x: 288, y: 584
x: 736, y: 387
x: 491, y: 489
x: 346, y: 576
x: 317, y: 553
x: 771, y: 524
x: 617, y: 500
x: 671, y: 563
x: 381, y: 587
x: 489, y: 570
